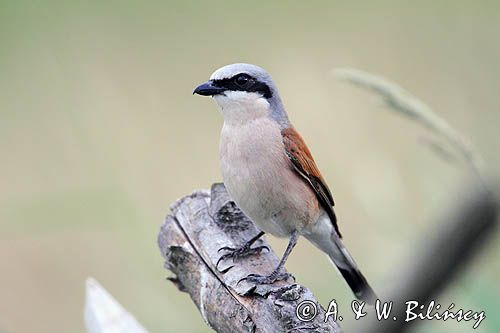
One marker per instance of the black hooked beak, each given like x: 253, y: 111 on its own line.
x: 208, y: 89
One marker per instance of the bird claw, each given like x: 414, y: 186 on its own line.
x: 225, y: 270
x: 269, y: 279
x: 226, y: 248
x: 236, y: 253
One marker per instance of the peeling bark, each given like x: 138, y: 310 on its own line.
x: 189, y: 240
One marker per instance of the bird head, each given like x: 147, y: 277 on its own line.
x: 243, y: 92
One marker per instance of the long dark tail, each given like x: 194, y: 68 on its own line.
x: 358, y: 284
x: 329, y: 242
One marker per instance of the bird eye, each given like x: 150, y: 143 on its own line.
x: 241, y: 80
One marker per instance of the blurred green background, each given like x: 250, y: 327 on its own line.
x: 99, y: 133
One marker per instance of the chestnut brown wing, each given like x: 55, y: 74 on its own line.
x: 304, y: 165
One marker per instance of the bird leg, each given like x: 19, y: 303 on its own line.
x: 277, y: 274
x: 244, y: 251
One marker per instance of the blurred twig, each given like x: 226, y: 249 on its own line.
x: 452, y: 243
x: 437, y: 147
x: 401, y: 101
x: 455, y: 240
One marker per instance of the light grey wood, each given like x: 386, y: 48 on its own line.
x: 103, y: 313
x: 190, y: 239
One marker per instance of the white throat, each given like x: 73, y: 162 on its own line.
x: 240, y: 107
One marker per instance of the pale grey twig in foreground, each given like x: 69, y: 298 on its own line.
x: 103, y: 314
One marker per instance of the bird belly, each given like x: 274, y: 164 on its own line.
x: 260, y: 179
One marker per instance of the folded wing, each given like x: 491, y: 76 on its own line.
x: 304, y: 165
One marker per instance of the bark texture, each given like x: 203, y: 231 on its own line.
x: 190, y: 239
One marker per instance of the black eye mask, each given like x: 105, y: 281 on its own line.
x: 244, y: 82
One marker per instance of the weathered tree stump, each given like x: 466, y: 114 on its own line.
x: 190, y: 239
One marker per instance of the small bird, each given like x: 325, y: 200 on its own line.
x: 271, y: 175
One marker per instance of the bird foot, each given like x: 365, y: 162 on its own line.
x: 269, y: 279
x: 236, y: 253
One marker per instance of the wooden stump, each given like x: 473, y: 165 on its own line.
x: 190, y: 239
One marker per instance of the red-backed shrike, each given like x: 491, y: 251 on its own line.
x: 270, y: 173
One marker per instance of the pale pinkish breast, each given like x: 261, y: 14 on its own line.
x: 260, y: 178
